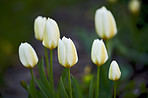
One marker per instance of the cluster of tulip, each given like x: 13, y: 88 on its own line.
x: 47, y: 31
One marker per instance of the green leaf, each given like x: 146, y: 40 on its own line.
x: 77, y: 90
x: 62, y: 89
x: 40, y: 94
x: 32, y: 90
x: 44, y: 89
x: 91, y: 88
x: 43, y: 79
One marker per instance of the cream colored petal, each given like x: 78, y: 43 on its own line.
x: 113, y: 27
x: 61, y: 52
x: 30, y: 55
x: 22, y: 56
x: 94, y: 51
x: 99, y: 51
x: 56, y: 32
x: 71, y: 53
x: 104, y: 55
x: 106, y: 24
x: 114, y: 71
x: 99, y: 22
x: 39, y: 27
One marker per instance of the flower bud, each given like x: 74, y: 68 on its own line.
x: 105, y: 23
x: 51, y: 35
x: 39, y: 27
x: 98, y: 52
x: 134, y: 6
x: 67, y: 53
x: 27, y: 55
x: 114, y: 71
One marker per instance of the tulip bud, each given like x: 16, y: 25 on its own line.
x: 105, y: 23
x: 27, y: 55
x: 98, y: 52
x: 114, y: 71
x: 39, y: 27
x: 134, y: 6
x: 67, y: 53
x: 51, y: 35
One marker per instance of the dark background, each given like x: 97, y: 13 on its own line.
x: 76, y: 20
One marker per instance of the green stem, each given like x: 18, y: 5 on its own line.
x: 115, y: 90
x: 32, y: 80
x: 70, y: 90
x: 47, y: 62
x: 51, y: 69
x: 97, y: 88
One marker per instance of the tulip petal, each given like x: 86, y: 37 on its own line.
x: 113, y: 28
x: 56, y: 32
x: 30, y: 54
x: 104, y: 55
x: 114, y: 71
x: 22, y: 56
x: 94, y: 51
x: 61, y: 52
x: 71, y: 53
x: 39, y: 27
x: 99, y: 52
x: 99, y: 22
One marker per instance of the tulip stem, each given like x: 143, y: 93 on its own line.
x: 47, y: 62
x: 32, y: 80
x: 70, y: 90
x: 97, y: 88
x: 51, y: 69
x: 115, y: 90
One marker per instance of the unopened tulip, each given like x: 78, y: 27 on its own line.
x: 114, y: 71
x: 67, y: 53
x: 134, y: 6
x: 39, y: 27
x: 105, y: 23
x: 98, y: 52
x: 51, y: 35
x: 27, y: 55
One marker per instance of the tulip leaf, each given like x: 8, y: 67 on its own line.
x: 91, y: 88
x: 62, y: 89
x: 43, y: 79
x: 77, y: 90
x: 32, y: 90
x: 44, y: 89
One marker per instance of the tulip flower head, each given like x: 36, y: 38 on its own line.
x: 67, y: 53
x: 98, y: 52
x: 134, y: 6
x: 27, y: 55
x: 114, y: 71
x: 51, y: 35
x: 105, y: 23
x: 39, y: 27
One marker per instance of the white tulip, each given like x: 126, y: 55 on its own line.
x: 27, y: 55
x: 67, y: 53
x: 98, y: 52
x: 51, y: 35
x: 114, y: 71
x: 134, y: 6
x: 105, y: 23
x: 39, y: 27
